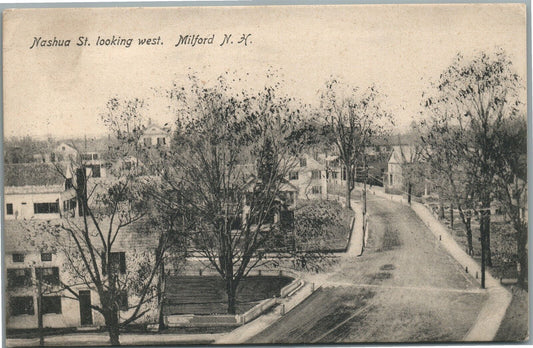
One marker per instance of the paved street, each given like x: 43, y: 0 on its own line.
x: 404, y: 288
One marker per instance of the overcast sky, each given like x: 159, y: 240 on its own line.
x: 61, y: 91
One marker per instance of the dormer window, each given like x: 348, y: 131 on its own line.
x: 303, y: 162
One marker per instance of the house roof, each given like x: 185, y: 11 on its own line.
x: 27, y: 236
x: 35, y: 174
x: 311, y: 164
x: 402, y: 154
x: 154, y: 129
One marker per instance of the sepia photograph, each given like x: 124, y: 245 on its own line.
x: 244, y: 175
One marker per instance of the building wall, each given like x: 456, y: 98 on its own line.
x: 154, y: 138
x: 395, y: 177
x: 70, y: 308
x: 26, y: 211
x: 305, y: 184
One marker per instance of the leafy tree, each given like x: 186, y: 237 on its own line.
x: 228, y: 171
x: 353, y: 117
x: 511, y: 186
x: 476, y: 97
x: 449, y: 171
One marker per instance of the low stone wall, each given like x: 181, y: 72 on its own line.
x: 257, y: 310
x: 292, y: 287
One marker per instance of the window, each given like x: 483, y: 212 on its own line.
x: 18, y: 277
x: 86, y: 157
x: 95, y: 156
x: 289, y: 198
x: 315, y: 174
x: 46, y: 256
x: 51, y: 304
x: 161, y: 141
x: 287, y: 218
x: 293, y: 175
x: 49, y: 275
x: 334, y: 175
x: 117, y: 261
x: 9, y: 208
x: 316, y: 190
x: 46, y: 208
x: 18, y: 257
x: 70, y: 205
x: 95, y: 171
x: 147, y: 141
x: 123, y: 300
x: 303, y: 162
x: 19, y: 305
x: 235, y: 222
x: 68, y: 183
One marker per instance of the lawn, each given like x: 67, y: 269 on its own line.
x: 330, y: 221
x: 514, y: 326
x: 206, y: 294
x: 502, y: 241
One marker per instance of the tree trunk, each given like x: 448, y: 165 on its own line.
x: 468, y: 226
x: 231, y: 291
x: 487, y: 236
x: 483, y: 248
x: 451, y: 216
x: 467, y: 221
x: 441, y: 212
x: 348, y: 191
x: 111, y: 323
x: 40, y: 307
x: 409, y: 189
x: 161, y: 296
x: 522, y: 256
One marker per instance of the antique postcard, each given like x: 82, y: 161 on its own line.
x: 265, y: 174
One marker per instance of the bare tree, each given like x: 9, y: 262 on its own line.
x: 111, y: 222
x: 353, y: 117
x: 449, y: 171
x: 475, y: 97
x: 511, y: 186
x: 228, y: 171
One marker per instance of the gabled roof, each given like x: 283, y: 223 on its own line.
x: 402, y: 154
x: 36, y: 174
x: 311, y: 164
x: 154, y: 129
x: 68, y: 147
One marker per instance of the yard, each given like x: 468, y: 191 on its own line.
x: 514, y: 326
x: 323, y: 225
x: 206, y: 294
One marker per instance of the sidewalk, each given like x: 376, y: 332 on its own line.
x: 247, y: 331
x: 493, y: 311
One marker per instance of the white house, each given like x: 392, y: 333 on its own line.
x: 309, y: 176
x: 154, y: 135
x: 30, y: 260
x: 38, y: 191
x: 93, y: 164
x: 64, y: 152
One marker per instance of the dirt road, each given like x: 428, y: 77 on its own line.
x: 404, y: 288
